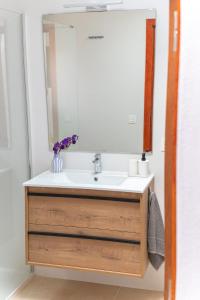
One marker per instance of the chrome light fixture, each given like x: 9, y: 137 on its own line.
x: 92, y: 5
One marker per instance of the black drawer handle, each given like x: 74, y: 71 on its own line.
x: 85, y: 237
x: 127, y: 200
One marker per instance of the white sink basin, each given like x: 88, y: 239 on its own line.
x: 97, y: 179
x: 84, y: 179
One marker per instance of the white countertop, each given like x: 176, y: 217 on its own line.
x: 62, y: 180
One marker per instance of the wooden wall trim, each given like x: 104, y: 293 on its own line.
x: 149, y: 84
x: 171, y: 152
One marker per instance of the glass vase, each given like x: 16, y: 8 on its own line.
x: 57, y: 163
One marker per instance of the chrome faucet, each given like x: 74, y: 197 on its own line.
x: 97, y: 163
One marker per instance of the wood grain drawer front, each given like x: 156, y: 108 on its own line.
x: 85, y: 254
x: 64, y: 213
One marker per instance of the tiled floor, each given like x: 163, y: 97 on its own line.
x: 41, y: 288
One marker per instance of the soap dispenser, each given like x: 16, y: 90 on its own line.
x: 143, y: 166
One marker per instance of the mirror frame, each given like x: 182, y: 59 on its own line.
x: 149, y: 85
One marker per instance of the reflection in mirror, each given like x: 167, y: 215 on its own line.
x: 4, y: 118
x: 99, y: 79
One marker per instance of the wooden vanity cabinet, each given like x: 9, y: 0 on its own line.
x: 87, y: 229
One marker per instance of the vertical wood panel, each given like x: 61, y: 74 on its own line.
x: 149, y: 84
x: 170, y: 156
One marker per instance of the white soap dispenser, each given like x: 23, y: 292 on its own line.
x: 143, y: 166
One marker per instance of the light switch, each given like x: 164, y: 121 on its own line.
x: 132, y: 119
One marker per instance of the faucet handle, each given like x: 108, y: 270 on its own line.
x: 97, y: 163
x: 97, y: 156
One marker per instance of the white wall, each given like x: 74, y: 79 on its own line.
x: 188, y: 192
x: 41, y: 156
x: 13, y: 5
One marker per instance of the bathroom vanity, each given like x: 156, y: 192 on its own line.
x: 80, y: 221
x: 75, y: 219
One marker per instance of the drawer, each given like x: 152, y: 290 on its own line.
x: 86, y: 216
x: 90, y: 254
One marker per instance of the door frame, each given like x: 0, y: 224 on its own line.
x: 171, y: 150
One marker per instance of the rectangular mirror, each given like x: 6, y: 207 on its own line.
x: 99, y: 70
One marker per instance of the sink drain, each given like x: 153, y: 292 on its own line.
x: 96, y: 179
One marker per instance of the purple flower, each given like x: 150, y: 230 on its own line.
x: 65, y: 143
x: 74, y: 138
x: 62, y: 146
x: 56, y: 148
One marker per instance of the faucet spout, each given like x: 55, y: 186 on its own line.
x: 97, y: 163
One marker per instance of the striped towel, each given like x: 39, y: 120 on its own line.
x: 156, y: 234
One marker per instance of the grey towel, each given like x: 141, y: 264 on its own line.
x: 156, y: 235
